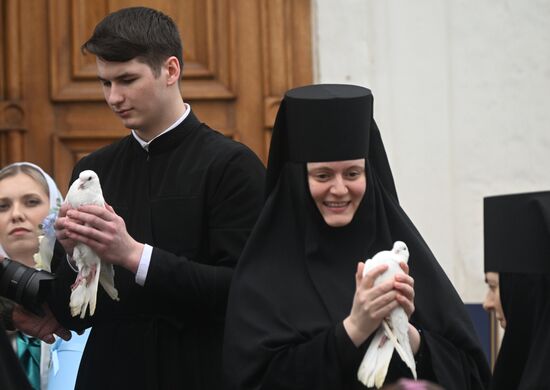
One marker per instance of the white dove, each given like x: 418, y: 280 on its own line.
x: 87, y: 190
x: 393, y: 334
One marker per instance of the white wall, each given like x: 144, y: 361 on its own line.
x: 461, y: 92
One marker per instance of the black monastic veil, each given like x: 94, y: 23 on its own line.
x: 295, y: 281
x: 517, y: 246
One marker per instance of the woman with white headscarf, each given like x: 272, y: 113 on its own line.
x: 29, y: 202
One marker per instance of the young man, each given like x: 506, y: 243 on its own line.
x: 182, y: 200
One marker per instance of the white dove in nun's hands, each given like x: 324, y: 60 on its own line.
x: 393, y: 333
x: 86, y: 190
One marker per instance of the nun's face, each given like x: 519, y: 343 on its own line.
x: 492, y: 299
x: 337, y: 188
x: 23, y: 206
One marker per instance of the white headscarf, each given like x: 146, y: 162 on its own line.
x: 56, y: 199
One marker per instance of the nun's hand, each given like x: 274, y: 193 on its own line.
x: 404, y: 285
x: 370, y: 304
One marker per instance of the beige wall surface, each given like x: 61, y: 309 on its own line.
x: 461, y: 97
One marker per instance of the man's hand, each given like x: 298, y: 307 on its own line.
x: 41, y: 327
x: 60, y: 227
x: 105, y: 232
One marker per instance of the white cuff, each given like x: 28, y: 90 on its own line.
x: 143, y: 266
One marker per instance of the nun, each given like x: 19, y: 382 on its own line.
x: 301, y: 315
x: 517, y: 247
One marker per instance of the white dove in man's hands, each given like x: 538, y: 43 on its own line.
x: 393, y: 334
x: 86, y: 190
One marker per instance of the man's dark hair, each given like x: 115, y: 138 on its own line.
x: 142, y: 33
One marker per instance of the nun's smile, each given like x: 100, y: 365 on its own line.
x: 337, y: 188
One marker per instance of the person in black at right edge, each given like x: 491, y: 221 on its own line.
x: 517, y: 246
x: 296, y: 318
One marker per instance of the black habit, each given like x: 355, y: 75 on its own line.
x: 294, y: 284
x: 517, y: 246
x: 194, y: 196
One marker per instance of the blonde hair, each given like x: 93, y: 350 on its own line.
x: 33, y: 173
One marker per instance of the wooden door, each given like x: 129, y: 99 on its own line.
x: 240, y: 57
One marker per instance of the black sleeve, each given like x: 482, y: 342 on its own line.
x: 349, y: 355
x: 324, y: 361
x: 422, y: 359
x: 232, y: 212
x: 328, y: 360
x: 451, y: 366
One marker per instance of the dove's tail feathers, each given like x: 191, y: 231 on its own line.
x: 403, y: 348
x: 80, y: 300
x: 365, y: 374
x: 385, y: 353
x: 375, y: 364
x: 84, y: 290
x: 43, y: 258
x: 85, y: 303
x: 77, y: 300
x: 107, y: 280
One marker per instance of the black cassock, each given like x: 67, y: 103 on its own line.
x: 194, y: 196
x: 295, y: 282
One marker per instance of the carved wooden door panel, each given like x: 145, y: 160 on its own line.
x: 12, y: 118
x: 239, y: 58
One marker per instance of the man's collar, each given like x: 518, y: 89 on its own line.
x: 145, y: 144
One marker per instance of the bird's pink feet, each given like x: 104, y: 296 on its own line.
x: 85, y: 279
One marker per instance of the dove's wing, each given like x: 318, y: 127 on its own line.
x: 84, y: 290
x: 398, y: 333
x: 375, y: 363
x: 43, y: 257
x: 397, y: 329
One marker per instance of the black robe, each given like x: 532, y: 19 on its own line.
x: 194, y: 197
x: 295, y: 282
x: 524, y: 357
x: 517, y: 246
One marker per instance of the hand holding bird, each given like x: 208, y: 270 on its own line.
x: 86, y: 190
x: 393, y: 334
